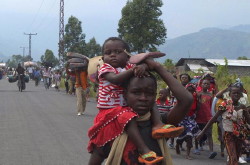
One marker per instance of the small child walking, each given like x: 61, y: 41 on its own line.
x: 112, y: 119
x: 191, y: 128
x: 204, y: 114
x: 162, y: 102
x: 235, y: 120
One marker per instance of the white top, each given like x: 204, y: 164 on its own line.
x: 228, y: 123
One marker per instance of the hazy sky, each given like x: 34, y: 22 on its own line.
x: 100, y: 20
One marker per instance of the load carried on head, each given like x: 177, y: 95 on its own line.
x: 77, y: 61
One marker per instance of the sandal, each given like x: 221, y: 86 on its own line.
x: 167, y: 131
x: 212, y: 155
x: 150, y: 158
x: 135, y: 59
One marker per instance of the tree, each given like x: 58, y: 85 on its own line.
x: 27, y: 58
x: 49, y: 57
x: 74, y: 39
x: 170, y: 66
x: 168, y: 63
x: 15, y: 59
x: 92, y: 48
x: 242, y: 58
x: 140, y: 25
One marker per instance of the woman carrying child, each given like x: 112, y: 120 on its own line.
x: 235, y: 120
x: 140, y: 94
x: 113, y: 119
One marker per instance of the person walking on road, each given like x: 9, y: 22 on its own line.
x: 80, y: 85
x: 235, y: 121
x: 47, y: 77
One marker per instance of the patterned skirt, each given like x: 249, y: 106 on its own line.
x: 191, y: 128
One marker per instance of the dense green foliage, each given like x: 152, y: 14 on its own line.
x: 92, y: 48
x: 15, y: 59
x: 49, y: 57
x: 141, y: 26
x: 243, y: 58
x: 74, y: 39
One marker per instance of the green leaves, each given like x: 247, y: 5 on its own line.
x: 92, y: 48
x: 49, y: 57
x: 140, y: 25
x: 74, y: 39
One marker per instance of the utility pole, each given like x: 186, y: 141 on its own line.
x: 30, y: 42
x: 22, y: 47
x: 61, y: 31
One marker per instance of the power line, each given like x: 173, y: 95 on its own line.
x: 41, y: 24
x: 36, y: 15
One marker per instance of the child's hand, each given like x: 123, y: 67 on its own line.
x: 140, y: 70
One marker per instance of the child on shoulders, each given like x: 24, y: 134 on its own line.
x: 113, y: 119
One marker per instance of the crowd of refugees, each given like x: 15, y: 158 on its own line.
x: 126, y: 92
x: 135, y: 123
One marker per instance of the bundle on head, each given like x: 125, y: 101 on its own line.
x: 77, y: 61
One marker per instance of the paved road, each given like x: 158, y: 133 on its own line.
x: 40, y: 127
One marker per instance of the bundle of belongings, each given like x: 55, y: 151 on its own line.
x: 12, y: 78
x: 77, y: 61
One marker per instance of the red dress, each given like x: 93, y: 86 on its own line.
x: 108, y: 124
x: 204, y: 113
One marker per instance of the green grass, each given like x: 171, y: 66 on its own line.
x: 215, y: 134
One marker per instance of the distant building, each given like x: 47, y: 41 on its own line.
x: 239, y: 67
x: 2, y: 65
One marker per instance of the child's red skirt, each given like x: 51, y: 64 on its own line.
x: 108, y: 124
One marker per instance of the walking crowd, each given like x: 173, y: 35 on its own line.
x: 137, y: 125
x: 127, y: 118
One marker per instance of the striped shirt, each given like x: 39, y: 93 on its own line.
x: 163, y: 107
x: 110, y: 95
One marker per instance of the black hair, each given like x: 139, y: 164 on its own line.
x: 151, y: 76
x: 189, y: 78
x: 236, y: 85
x: 125, y: 44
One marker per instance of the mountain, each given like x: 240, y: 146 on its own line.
x: 210, y: 43
x: 241, y: 28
